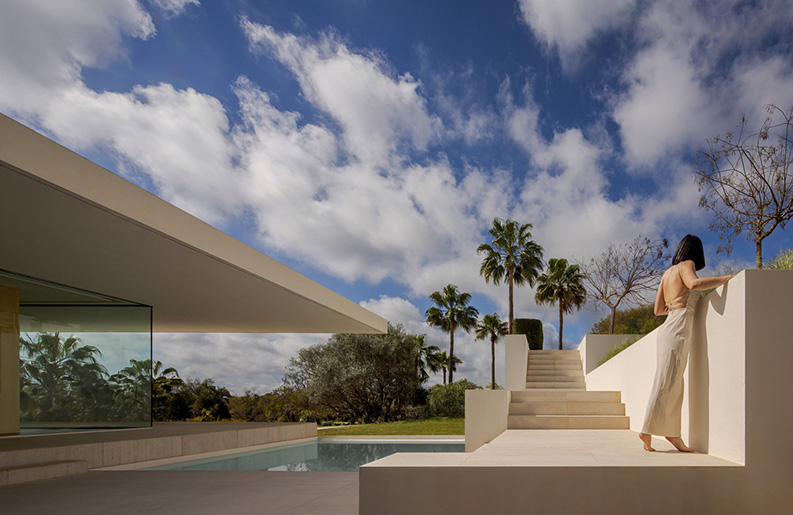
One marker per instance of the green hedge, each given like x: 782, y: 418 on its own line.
x: 448, y: 400
x: 532, y: 328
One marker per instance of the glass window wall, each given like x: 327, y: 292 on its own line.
x: 85, y: 359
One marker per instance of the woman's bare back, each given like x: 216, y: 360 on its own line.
x: 675, y: 291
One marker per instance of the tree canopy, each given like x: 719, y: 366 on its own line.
x: 358, y: 377
x: 451, y: 312
x: 512, y: 256
x: 491, y: 327
x: 746, y: 182
x: 640, y: 320
x: 563, y: 285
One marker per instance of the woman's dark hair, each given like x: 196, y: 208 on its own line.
x: 690, y: 248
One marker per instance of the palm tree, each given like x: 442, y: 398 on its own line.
x: 491, y: 326
x: 561, y: 284
x: 513, y: 256
x: 165, y: 383
x: 451, y: 311
x: 424, y: 354
x: 133, y: 391
x: 441, y: 361
x: 437, y: 361
x: 59, y: 377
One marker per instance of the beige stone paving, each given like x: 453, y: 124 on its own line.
x: 194, y: 492
x: 560, y: 448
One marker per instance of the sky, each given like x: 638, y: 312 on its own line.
x: 369, y: 144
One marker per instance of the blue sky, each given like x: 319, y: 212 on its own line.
x: 369, y: 144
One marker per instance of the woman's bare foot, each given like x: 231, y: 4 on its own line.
x: 678, y: 443
x: 647, y: 440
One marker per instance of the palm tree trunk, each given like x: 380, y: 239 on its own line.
x: 511, y: 303
x: 444, y: 375
x: 561, y: 321
x: 493, y: 363
x: 451, y: 353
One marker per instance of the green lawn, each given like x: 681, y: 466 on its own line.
x: 425, y: 426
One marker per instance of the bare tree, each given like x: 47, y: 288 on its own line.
x: 625, y: 273
x: 746, y: 181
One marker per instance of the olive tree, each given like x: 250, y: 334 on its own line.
x: 369, y: 377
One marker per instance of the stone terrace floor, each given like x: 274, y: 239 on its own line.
x: 140, y: 491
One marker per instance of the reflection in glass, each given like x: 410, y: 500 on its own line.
x: 85, y: 366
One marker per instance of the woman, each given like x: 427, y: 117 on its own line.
x: 674, y: 338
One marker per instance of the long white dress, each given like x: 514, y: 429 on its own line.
x: 673, y: 343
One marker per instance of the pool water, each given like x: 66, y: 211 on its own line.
x: 318, y: 456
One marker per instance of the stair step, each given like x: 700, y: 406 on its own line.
x: 550, y: 352
x: 566, y: 408
x: 564, y: 396
x: 533, y: 366
x: 556, y: 372
x: 555, y: 378
x: 36, y: 471
x: 568, y: 422
x: 571, y: 359
x: 557, y: 384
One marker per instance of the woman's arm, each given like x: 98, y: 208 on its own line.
x: 689, y: 276
x: 660, y: 306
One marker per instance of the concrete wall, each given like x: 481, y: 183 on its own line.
x: 595, y: 346
x: 769, y: 387
x: 486, y: 416
x: 735, y: 328
x: 516, y: 359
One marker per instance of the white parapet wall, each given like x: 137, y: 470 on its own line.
x: 516, y: 360
x: 736, y: 327
x: 486, y: 416
x: 595, y: 346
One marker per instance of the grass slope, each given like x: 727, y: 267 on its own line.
x: 425, y: 426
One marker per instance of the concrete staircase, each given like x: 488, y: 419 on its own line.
x: 556, y: 397
x: 555, y: 369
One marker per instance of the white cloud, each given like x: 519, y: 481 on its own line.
x: 173, y: 7
x: 699, y: 67
x: 46, y: 44
x: 236, y: 361
x: 378, y: 111
x: 665, y: 107
x: 178, y: 138
x: 568, y: 25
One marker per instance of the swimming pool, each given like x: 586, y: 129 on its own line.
x: 317, y: 456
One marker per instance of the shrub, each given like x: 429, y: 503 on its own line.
x: 532, y: 328
x: 641, y: 320
x: 782, y: 261
x: 620, y: 347
x: 448, y: 400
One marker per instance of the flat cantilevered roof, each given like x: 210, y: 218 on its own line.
x: 67, y: 220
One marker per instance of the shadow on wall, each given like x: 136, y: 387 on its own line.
x: 699, y: 389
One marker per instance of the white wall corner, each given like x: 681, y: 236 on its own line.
x: 516, y: 361
x: 486, y: 416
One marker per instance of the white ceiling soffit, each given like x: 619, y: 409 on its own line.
x: 67, y: 220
